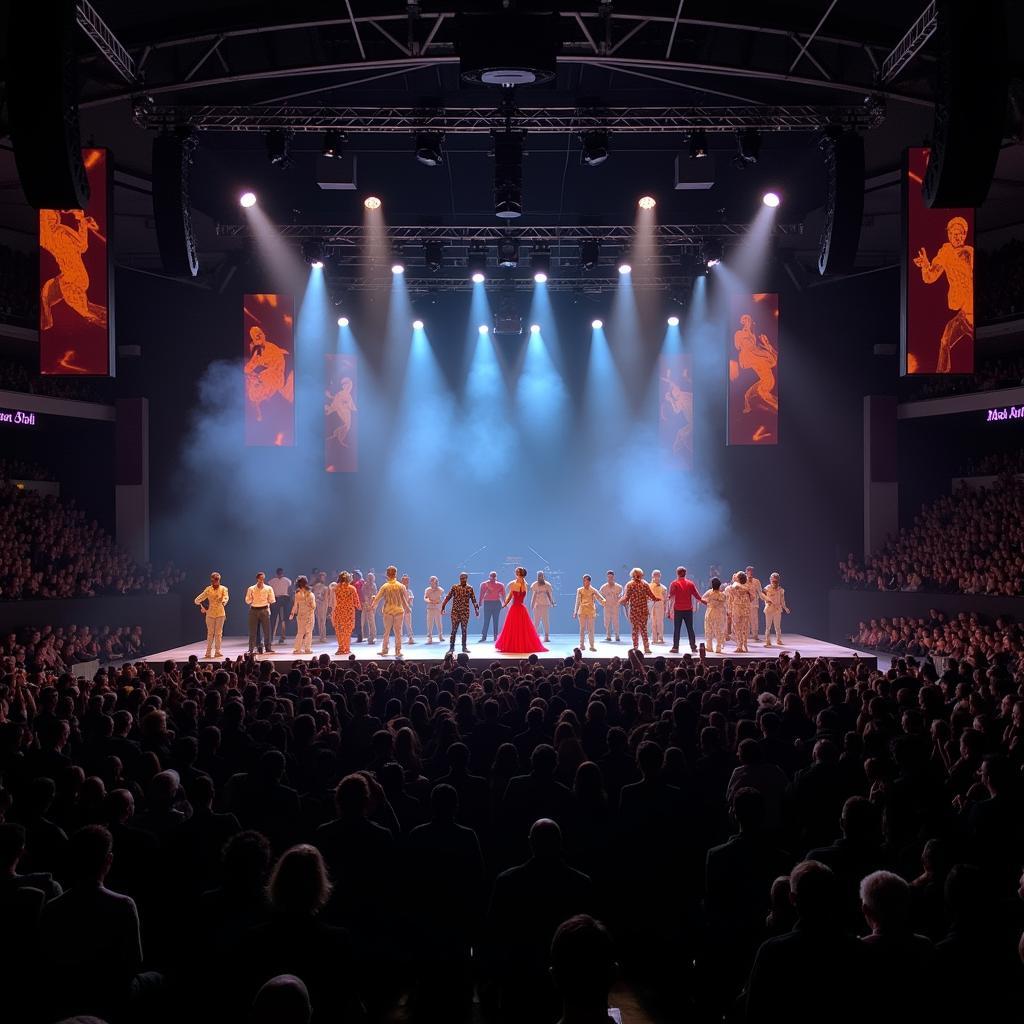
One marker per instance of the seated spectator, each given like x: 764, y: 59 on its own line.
x: 583, y: 968
x: 768, y: 779
x: 282, y: 1000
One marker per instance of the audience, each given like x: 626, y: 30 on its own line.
x: 59, y: 648
x: 16, y: 375
x: 19, y: 276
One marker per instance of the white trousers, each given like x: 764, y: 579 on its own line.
x: 407, y: 626
x: 773, y: 618
x: 587, y: 629
x: 658, y: 622
x: 214, y: 631
x: 304, y: 633
x: 392, y: 624
x: 611, y: 620
x: 540, y: 616
x: 370, y: 624
x: 434, y: 622
x: 321, y: 619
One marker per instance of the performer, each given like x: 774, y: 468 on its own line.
x: 757, y: 354
x: 321, y: 592
x: 492, y: 593
x: 369, y: 615
x: 612, y: 594
x: 740, y: 597
x: 774, y: 598
x: 542, y: 600
x: 282, y: 587
x: 754, y: 588
x: 587, y: 600
x: 461, y: 596
x: 303, y: 608
x: 343, y: 615
x: 636, y: 597
x: 265, y: 371
x: 259, y: 598
x: 216, y: 597
x: 714, y: 620
x: 395, y: 599
x: 658, y: 612
x: 956, y: 261
x: 432, y: 598
x: 518, y: 635
x: 358, y: 582
x: 683, y: 593
x: 407, y: 624
x: 66, y: 245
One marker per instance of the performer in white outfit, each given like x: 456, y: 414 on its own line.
x: 587, y: 600
x: 279, y: 614
x: 658, y: 613
x: 303, y: 609
x: 321, y: 592
x: 612, y: 594
x: 754, y: 588
x: 432, y: 598
x: 740, y: 606
x: 714, y: 618
x: 774, y: 598
x: 407, y: 623
x: 369, y: 608
x: 542, y: 600
x: 216, y: 597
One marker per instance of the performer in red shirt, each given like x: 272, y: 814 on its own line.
x: 682, y: 593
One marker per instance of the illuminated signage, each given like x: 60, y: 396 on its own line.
x: 1004, y: 412
x: 18, y: 418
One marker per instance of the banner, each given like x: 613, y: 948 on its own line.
x: 675, y: 416
x: 754, y: 370
x: 937, y: 312
x: 269, y: 370
x: 76, y: 278
x: 341, y: 415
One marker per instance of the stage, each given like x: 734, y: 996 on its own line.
x: 561, y: 647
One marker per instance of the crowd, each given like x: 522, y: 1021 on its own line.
x: 22, y: 469
x: 59, y: 648
x: 16, y: 375
x: 967, y: 542
x: 990, y: 374
x: 19, y: 278
x: 789, y: 839
x: 1000, y: 279
x: 965, y: 634
x: 995, y: 464
x: 48, y: 549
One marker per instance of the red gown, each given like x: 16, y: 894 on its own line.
x: 518, y: 635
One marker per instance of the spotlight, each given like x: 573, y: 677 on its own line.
x: 371, y: 203
x: 711, y: 252
x: 540, y: 264
x: 479, y: 278
x: 749, y: 141
x: 313, y: 252
x: 646, y: 203
x: 590, y: 253
x: 508, y: 175
x: 397, y: 267
x: 279, y: 144
x: 331, y: 146
x: 508, y: 254
x: 428, y: 149
x: 597, y: 324
x: 433, y: 253
x: 483, y: 329
x: 535, y: 328
x: 417, y: 325
x: 247, y: 199
x: 625, y: 268
x: 343, y: 321
x: 476, y: 261
x: 673, y: 321
x: 698, y: 145
x: 771, y: 199
x: 595, y: 147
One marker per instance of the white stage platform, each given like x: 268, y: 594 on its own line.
x: 561, y: 646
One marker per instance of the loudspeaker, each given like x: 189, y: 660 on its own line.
x: 844, y: 201
x: 42, y: 104
x: 970, y: 102
x: 173, y: 154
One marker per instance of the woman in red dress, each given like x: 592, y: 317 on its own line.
x: 518, y: 635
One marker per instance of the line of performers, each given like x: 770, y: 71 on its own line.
x: 352, y: 601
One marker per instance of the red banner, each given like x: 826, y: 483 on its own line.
x: 754, y: 370
x: 675, y: 415
x: 341, y: 415
x: 937, y: 315
x: 76, y: 294
x: 269, y: 370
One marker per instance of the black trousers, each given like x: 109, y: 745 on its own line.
x: 357, y: 628
x: 677, y: 627
x: 455, y: 627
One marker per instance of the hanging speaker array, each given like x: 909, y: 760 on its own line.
x: 173, y: 156
x: 844, y: 201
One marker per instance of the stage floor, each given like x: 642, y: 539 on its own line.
x: 561, y: 646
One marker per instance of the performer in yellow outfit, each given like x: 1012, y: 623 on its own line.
x: 741, y: 611
x: 303, y: 608
x: 216, y: 597
x: 714, y: 618
x: 343, y: 618
x: 774, y: 597
x: 658, y: 615
x: 587, y: 600
x: 395, y: 599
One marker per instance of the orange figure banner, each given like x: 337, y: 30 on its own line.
x: 754, y: 369
x: 937, y: 313
x: 341, y: 415
x: 76, y: 280
x: 269, y: 352
x: 675, y: 409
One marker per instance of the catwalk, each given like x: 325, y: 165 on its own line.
x: 561, y: 646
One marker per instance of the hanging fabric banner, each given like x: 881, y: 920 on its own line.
x: 753, y: 416
x: 675, y: 414
x: 268, y: 345
x: 341, y: 415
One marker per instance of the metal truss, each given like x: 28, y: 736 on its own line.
x: 580, y: 283
x: 90, y: 22
x: 536, y: 120
x: 910, y: 45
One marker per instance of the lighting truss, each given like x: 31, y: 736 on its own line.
x: 90, y: 22
x: 589, y: 284
x: 910, y: 45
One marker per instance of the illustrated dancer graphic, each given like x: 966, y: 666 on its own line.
x: 677, y: 405
x: 758, y: 354
x: 265, y: 371
x: 66, y: 245
x: 343, y: 406
x: 956, y: 260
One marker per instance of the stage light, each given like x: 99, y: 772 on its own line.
x: 476, y: 262
x: 508, y: 254
x: 371, y: 203
x: 625, y: 268
x: 540, y: 264
x: 508, y: 175
x: 590, y: 253
x: 397, y: 268
x: 428, y: 149
x: 698, y: 145
x: 749, y: 142
x: 595, y: 147
x: 433, y: 254
x: 313, y: 251
x: 247, y: 199
x: 417, y: 325
x: 343, y: 321
x: 673, y: 321
x: 484, y: 329
x: 771, y: 199
x: 711, y: 252
x: 647, y: 202
x: 535, y: 328
x: 331, y: 146
x: 479, y: 278
x: 279, y: 144
x: 597, y: 324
